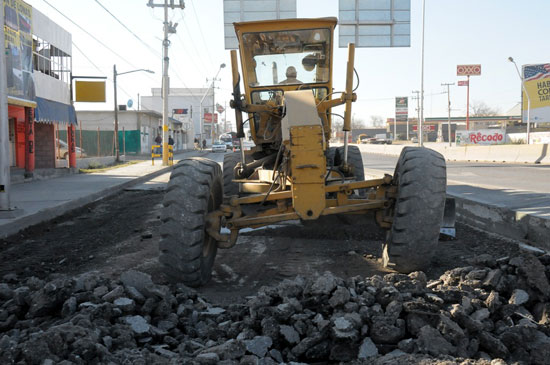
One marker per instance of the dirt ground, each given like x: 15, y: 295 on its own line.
x: 122, y: 233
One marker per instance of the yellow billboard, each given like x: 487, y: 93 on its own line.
x: 537, y: 83
x: 90, y: 91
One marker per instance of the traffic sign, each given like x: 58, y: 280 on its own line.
x: 468, y: 70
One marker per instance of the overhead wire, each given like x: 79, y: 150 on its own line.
x: 201, y: 33
x: 100, y: 70
x: 193, y: 96
x: 155, y: 52
x: 89, y: 34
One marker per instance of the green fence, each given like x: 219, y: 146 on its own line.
x: 102, y: 141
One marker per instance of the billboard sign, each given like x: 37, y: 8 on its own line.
x: 463, y: 83
x: 235, y: 11
x: 18, y: 49
x: 468, y: 70
x: 401, y: 109
x: 380, y: 23
x: 481, y: 137
x: 90, y: 91
x: 208, y: 118
x: 425, y: 128
x: 537, y: 83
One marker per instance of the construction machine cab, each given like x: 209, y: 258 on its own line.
x: 277, y: 57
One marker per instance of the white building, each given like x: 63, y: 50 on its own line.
x: 188, y: 101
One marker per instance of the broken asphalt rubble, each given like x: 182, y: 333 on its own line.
x: 492, y: 312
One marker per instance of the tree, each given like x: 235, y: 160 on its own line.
x: 480, y: 109
x: 376, y: 121
x: 357, y: 123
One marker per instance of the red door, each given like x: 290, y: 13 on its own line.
x: 20, y: 143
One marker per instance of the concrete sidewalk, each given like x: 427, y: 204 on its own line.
x: 41, y: 200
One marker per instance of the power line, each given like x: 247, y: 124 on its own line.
x: 88, y: 33
x: 86, y: 57
x: 202, y: 35
x: 156, y: 53
x: 192, y: 59
x: 97, y: 68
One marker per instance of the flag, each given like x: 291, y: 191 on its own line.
x: 535, y: 72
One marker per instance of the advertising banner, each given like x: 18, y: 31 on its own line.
x: 401, y: 109
x: 537, y: 83
x: 468, y: 70
x: 480, y: 137
x: 208, y: 118
x: 425, y: 128
x: 18, y: 49
x: 91, y: 92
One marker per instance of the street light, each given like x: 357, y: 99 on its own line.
x: 213, y: 105
x: 528, y: 100
x: 115, y: 74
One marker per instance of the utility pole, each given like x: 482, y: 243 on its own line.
x: 449, y: 107
x: 417, y: 97
x: 421, y: 121
x: 213, y: 109
x: 168, y: 28
x: 117, y: 152
x: 4, y: 130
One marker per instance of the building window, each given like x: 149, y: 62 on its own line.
x: 51, y: 61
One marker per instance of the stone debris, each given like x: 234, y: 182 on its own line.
x: 494, y: 312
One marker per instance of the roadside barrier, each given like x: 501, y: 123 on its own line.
x: 156, y: 151
x: 534, y: 153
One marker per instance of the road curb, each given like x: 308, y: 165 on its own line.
x: 48, y: 214
x: 504, y: 221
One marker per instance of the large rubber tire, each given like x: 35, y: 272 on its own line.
x: 354, y: 159
x: 230, y: 160
x: 187, y: 252
x: 421, y: 180
x: 330, y: 154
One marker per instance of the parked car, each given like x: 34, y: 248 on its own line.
x: 219, y: 146
x: 64, y: 150
x: 414, y: 140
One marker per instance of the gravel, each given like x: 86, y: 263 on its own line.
x: 494, y: 311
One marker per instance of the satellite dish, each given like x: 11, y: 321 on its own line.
x: 130, y: 103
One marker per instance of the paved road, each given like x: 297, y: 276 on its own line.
x: 522, y: 188
x: 532, y: 178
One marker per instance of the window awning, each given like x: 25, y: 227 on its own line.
x: 48, y: 111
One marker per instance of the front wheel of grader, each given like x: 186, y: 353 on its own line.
x: 187, y: 252
x: 421, y: 180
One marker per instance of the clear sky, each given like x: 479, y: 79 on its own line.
x: 482, y: 32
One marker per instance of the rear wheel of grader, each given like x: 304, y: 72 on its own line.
x: 354, y: 159
x: 230, y: 160
x: 186, y: 250
x: 421, y: 180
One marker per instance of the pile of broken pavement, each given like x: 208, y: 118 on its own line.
x: 494, y: 309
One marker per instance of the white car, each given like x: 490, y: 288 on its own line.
x: 219, y: 147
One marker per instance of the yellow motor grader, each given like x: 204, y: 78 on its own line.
x: 292, y: 172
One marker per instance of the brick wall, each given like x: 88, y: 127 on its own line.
x: 44, y: 142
